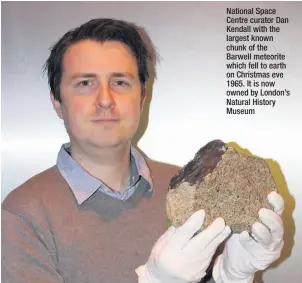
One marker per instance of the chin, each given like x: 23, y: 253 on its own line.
x: 112, y: 143
x: 106, y: 139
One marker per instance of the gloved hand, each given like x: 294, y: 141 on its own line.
x: 244, y: 255
x: 179, y: 258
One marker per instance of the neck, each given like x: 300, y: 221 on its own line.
x: 111, y: 166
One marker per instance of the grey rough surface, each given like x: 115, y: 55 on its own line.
x: 224, y: 183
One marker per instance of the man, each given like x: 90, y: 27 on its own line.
x: 98, y: 215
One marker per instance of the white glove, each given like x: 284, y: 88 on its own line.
x: 179, y: 258
x: 243, y: 256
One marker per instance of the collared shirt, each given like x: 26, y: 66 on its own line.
x: 84, y: 185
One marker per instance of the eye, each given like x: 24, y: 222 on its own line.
x: 120, y: 83
x: 85, y: 83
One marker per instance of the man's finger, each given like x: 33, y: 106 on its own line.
x: 249, y: 244
x: 212, y: 247
x: 273, y: 221
x: 262, y: 234
x: 207, y: 236
x: 276, y: 201
x: 184, y: 233
x: 163, y: 240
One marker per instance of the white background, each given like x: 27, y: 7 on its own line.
x: 187, y: 108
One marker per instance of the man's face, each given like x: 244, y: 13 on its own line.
x: 101, y: 94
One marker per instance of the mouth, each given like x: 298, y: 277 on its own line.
x: 100, y: 121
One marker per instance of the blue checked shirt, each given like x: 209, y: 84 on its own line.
x: 84, y: 185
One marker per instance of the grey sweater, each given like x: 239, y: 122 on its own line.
x: 48, y: 237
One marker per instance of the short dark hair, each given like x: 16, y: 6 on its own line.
x: 101, y: 29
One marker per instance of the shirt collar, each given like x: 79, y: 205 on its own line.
x: 82, y: 183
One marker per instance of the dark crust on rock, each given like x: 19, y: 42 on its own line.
x: 204, y: 162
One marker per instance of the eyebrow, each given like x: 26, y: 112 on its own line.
x: 91, y: 75
x: 123, y: 75
x: 82, y: 75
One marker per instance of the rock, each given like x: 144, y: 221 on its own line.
x: 224, y: 183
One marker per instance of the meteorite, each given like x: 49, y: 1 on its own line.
x: 223, y: 182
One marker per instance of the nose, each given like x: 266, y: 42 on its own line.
x: 105, y: 98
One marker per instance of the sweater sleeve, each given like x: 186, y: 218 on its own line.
x: 25, y: 253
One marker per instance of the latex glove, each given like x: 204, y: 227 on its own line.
x: 179, y: 258
x: 244, y: 255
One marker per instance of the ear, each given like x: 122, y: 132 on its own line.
x: 56, y: 105
x: 143, y: 98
